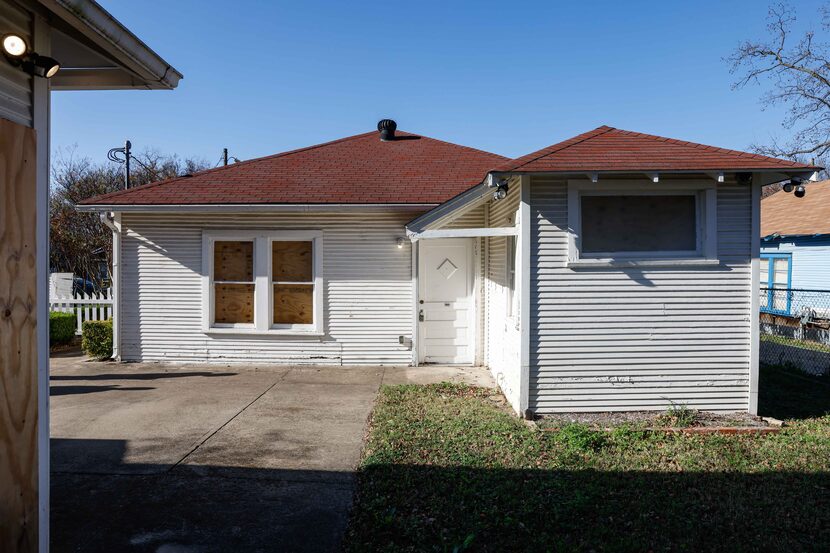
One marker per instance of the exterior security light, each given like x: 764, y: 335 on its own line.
x: 400, y: 242
x: 14, y: 45
x: 800, y: 191
x: 19, y: 55
x: 788, y: 186
x: 500, y: 193
x: 41, y: 66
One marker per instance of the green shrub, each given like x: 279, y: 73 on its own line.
x: 677, y: 416
x: 96, y: 339
x: 61, y: 328
x: 578, y: 437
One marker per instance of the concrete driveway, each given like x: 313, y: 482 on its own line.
x: 207, y: 458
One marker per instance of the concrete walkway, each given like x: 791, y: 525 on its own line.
x: 204, y: 458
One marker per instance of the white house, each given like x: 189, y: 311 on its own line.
x: 612, y: 271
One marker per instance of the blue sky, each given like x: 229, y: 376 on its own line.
x: 508, y: 77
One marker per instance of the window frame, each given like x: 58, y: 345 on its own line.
x: 705, y: 194
x: 769, y: 282
x: 510, y: 250
x: 263, y: 287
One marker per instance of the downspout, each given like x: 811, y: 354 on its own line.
x: 113, y: 221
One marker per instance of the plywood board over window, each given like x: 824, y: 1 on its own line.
x: 18, y: 340
x: 233, y: 282
x: 292, y: 271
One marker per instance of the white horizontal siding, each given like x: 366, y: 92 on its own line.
x: 368, y: 291
x: 630, y: 339
x: 16, y: 93
x: 503, y: 340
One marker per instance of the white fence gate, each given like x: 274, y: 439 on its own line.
x: 91, y: 307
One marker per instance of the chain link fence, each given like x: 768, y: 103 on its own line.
x: 795, y: 329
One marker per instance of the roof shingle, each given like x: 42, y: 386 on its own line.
x: 609, y: 149
x: 786, y: 215
x: 359, y: 169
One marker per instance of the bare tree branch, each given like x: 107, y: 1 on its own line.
x: 79, y: 242
x: 798, y: 74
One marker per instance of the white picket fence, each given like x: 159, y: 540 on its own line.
x: 92, y: 307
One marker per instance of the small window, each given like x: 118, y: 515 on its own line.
x: 510, y: 265
x: 775, y: 278
x: 233, y: 282
x: 292, y: 273
x: 639, y: 223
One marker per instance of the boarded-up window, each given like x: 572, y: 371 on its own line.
x: 233, y: 282
x: 292, y: 273
x: 638, y: 223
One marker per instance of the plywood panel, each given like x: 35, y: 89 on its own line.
x: 291, y: 261
x: 293, y: 304
x: 18, y: 340
x: 233, y: 260
x: 234, y: 303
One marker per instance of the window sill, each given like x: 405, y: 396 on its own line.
x: 633, y: 263
x: 270, y: 332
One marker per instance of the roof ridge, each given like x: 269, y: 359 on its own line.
x: 562, y: 145
x: 171, y: 180
x: 459, y: 145
x: 708, y: 147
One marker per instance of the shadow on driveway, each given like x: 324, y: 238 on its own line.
x: 190, y: 509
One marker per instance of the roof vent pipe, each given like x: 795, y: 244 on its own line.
x: 387, y: 129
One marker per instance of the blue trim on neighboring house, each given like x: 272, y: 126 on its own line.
x: 770, y: 281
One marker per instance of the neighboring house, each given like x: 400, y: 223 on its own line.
x: 795, y: 245
x: 612, y: 271
x: 47, y: 45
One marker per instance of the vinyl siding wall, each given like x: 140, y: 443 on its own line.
x: 810, y: 260
x: 16, y: 87
x: 503, y: 334
x: 638, y: 339
x: 368, y: 292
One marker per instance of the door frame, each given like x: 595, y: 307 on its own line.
x: 419, y: 283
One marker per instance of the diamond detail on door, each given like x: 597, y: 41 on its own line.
x: 447, y: 268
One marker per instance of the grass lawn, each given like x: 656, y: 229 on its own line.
x: 447, y: 469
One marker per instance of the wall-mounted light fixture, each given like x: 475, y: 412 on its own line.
x: 400, y: 242
x: 501, y: 189
x: 18, y: 53
x: 797, y: 185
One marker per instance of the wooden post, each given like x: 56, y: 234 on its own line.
x: 18, y: 340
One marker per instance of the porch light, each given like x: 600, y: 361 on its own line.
x: 400, y: 242
x: 17, y: 52
x: 42, y: 66
x: 14, y: 45
x: 501, y: 190
x: 796, y: 184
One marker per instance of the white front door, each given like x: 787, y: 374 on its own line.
x: 446, y: 307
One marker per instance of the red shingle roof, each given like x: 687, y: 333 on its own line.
x: 784, y: 214
x: 610, y: 149
x: 356, y: 170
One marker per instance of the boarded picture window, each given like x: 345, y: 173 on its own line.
x: 292, y: 270
x: 639, y: 223
x: 233, y: 282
